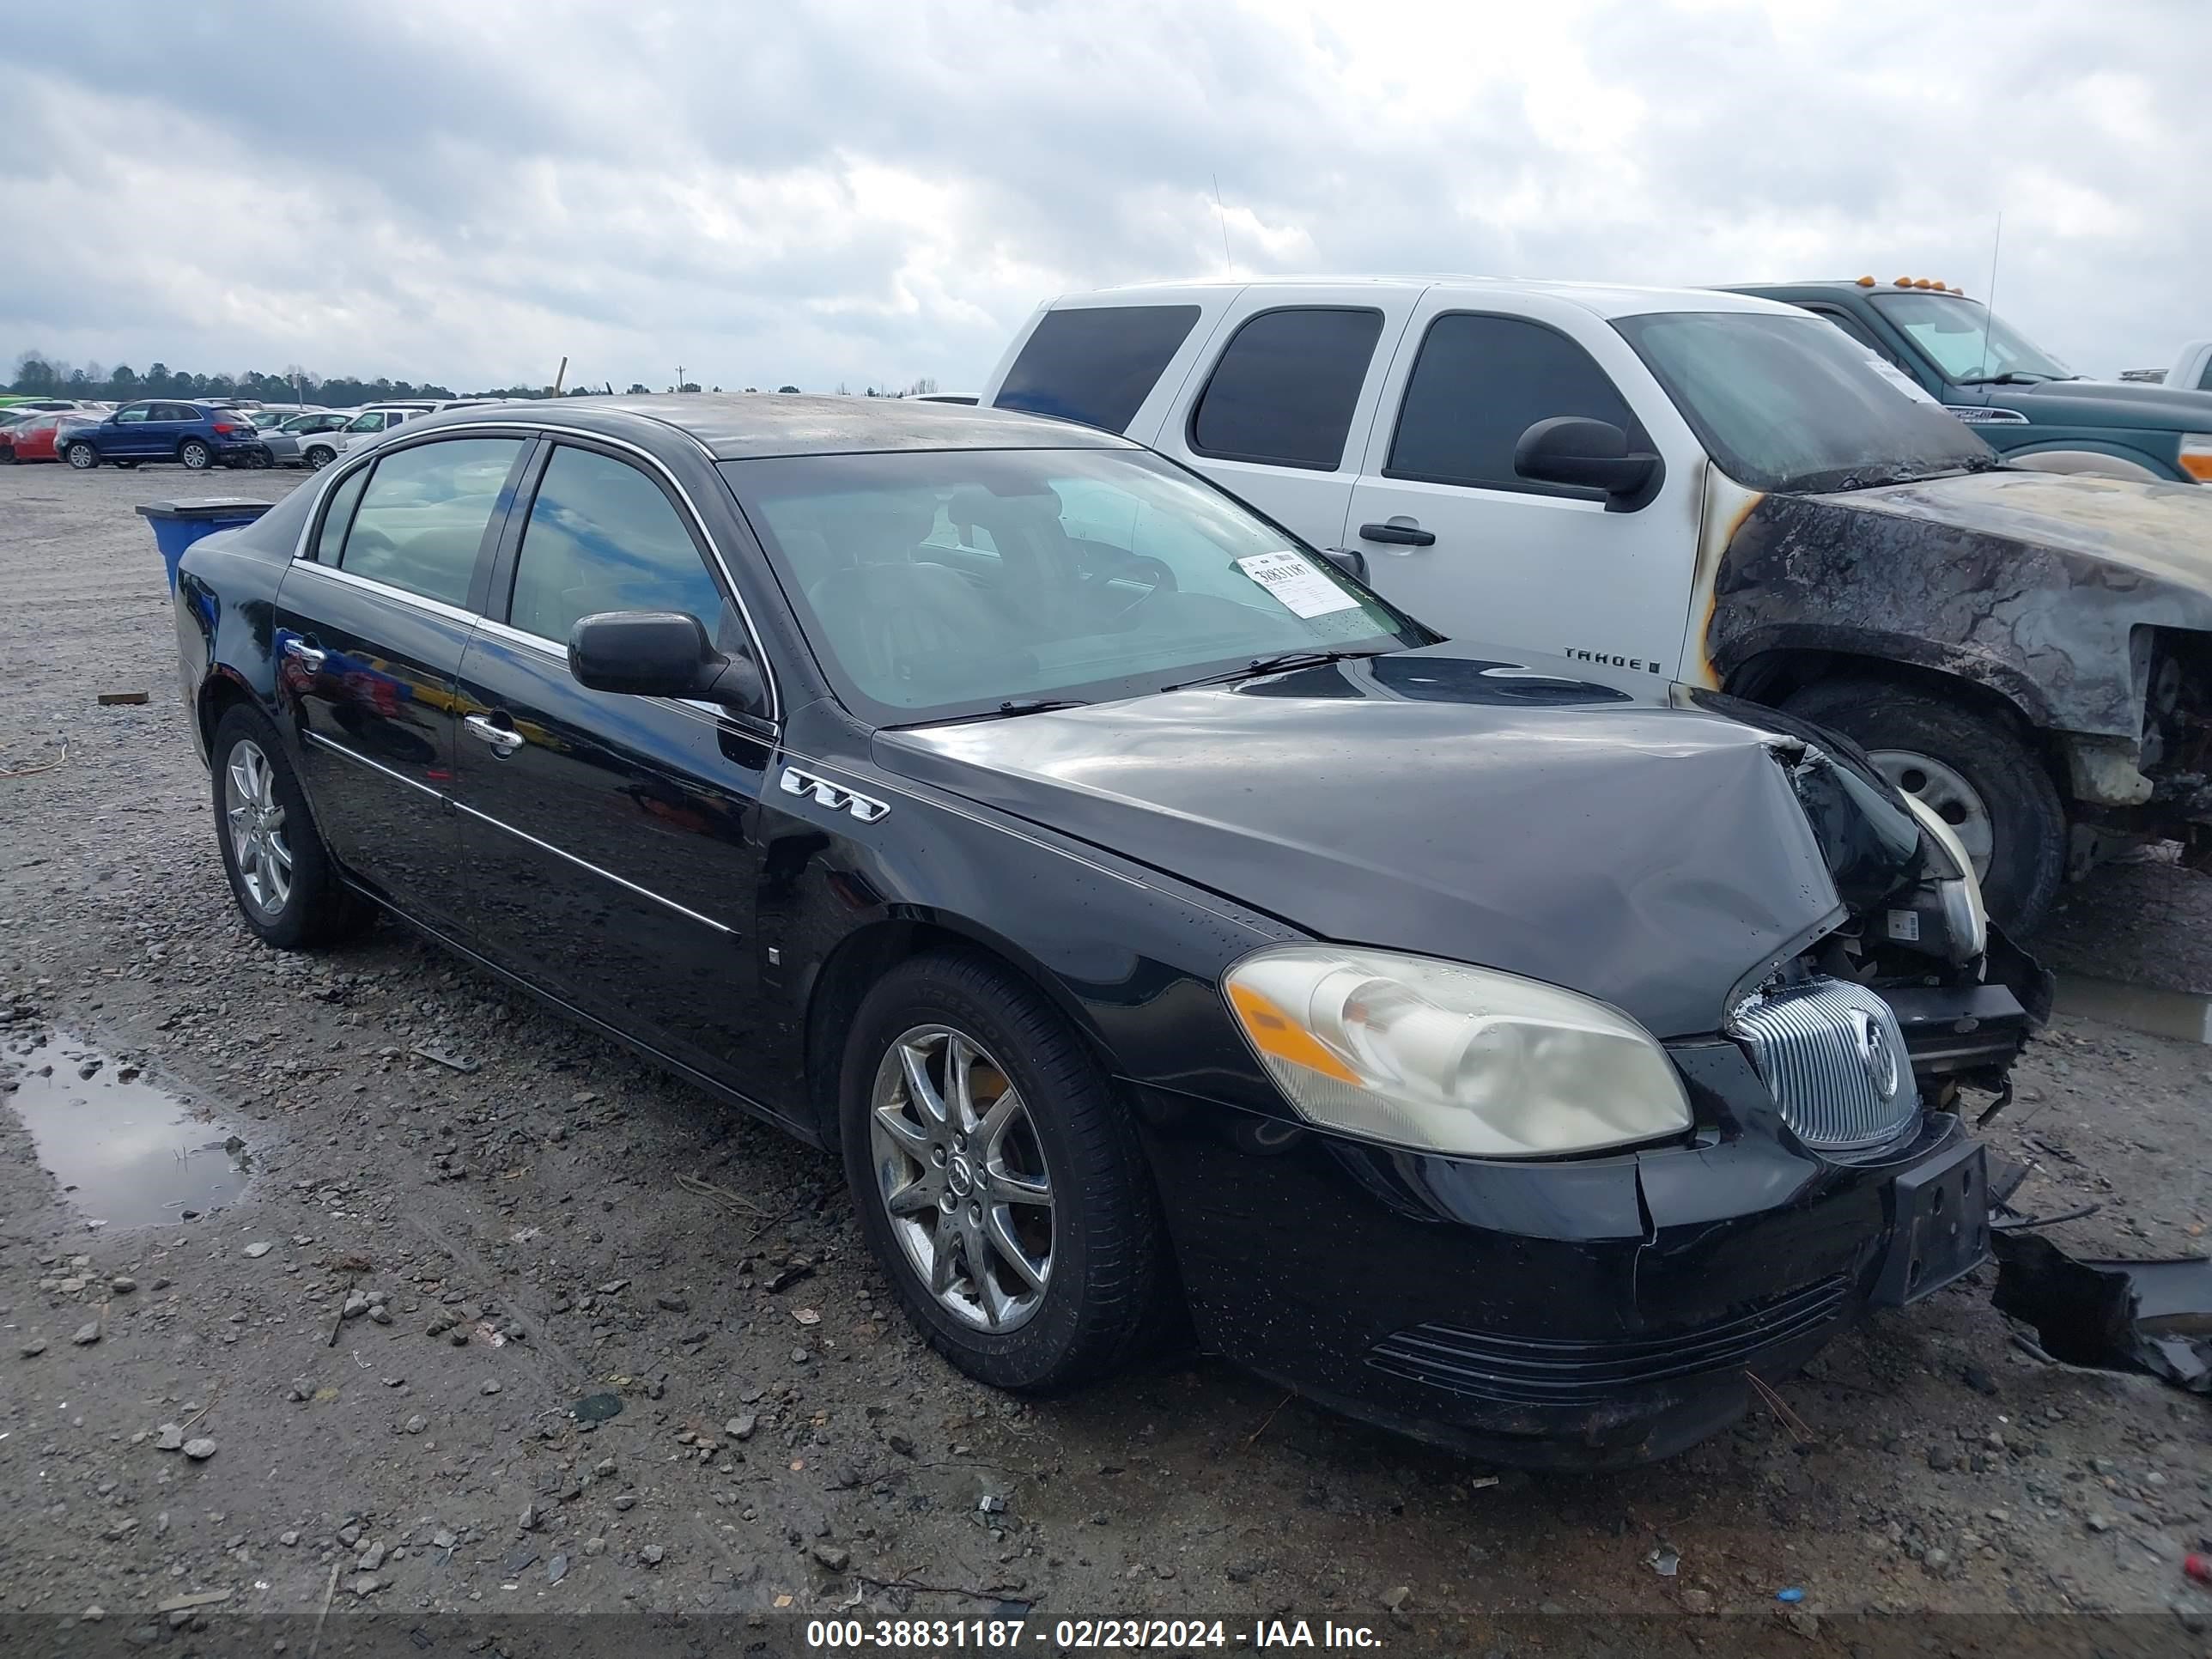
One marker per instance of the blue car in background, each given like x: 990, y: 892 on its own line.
x: 194, y: 435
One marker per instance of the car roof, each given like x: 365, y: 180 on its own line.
x: 1601, y: 299
x: 752, y: 426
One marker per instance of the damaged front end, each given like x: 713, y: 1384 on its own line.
x: 1916, y: 952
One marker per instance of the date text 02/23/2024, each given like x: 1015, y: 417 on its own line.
x: 1081, y: 1635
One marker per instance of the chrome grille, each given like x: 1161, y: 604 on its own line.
x: 1826, y: 1049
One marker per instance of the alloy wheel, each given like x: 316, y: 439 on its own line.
x: 961, y: 1173
x: 195, y: 457
x: 1946, y: 789
x: 256, y: 819
x: 83, y: 457
x: 318, y: 459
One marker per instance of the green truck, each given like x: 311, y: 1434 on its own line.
x: 2030, y: 407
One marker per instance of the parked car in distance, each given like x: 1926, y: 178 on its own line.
x: 288, y: 437
x: 375, y: 419
x: 43, y: 433
x: 154, y: 430
x: 2028, y: 405
x: 1696, y: 487
x: 992, y: 801
x: 2191, y: 371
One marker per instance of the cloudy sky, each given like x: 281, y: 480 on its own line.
x: 842, y: 190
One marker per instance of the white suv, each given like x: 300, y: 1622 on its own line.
x: 1688, y: 488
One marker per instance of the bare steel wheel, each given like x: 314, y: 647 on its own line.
x: 962, y: 1177
x: 1944, y: 788
x: 1000, y: 1184
x: 255, y: 818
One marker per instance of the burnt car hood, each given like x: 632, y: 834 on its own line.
x: 2029, y: 583
x: 2163, y: 532
x: 1433, y: 803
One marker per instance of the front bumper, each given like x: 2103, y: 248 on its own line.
x: 1588, y: 1314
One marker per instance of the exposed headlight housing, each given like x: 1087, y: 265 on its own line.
x: 2196, y: 455
x: 1966, y: 919
x: 1443, y: 1057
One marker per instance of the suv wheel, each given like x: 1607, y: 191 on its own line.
x: 195, y: 455
x: 319, y: 456
x: 286, y: 884
x: 1974, y: 769
x: 999, y: 1178
x: 81, y: 455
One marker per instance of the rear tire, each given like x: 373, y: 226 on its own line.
x: 194, y: 456
x: 81, y: 455
x: 1974, y: 768
x: 931, y: 1191
x: 283, y: 878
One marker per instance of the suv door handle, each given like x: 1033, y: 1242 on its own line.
x: 504, y: 739
x: 307, y: 655
x: 1405, y: 535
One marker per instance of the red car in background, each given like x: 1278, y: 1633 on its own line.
x: 39, y: 434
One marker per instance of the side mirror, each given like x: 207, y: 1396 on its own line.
x: 658, y: 653
x: 1584, y: 454
x: 1349, y: 559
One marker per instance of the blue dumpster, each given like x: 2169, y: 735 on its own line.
x: 177, y: 525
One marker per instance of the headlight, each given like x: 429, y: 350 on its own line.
x: 1960, y: 891
x: 1447, y: 1058
x: 2196, y: 455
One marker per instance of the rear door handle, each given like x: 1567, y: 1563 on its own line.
x: 504, y: 739
x: 1405, y: 535
x: 307, y: 655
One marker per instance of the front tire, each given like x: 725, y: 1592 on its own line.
x: 317, y: 457
x: 998, y: 1179
x: 81, y: 455
x: 285, y: 882
x: 1974, y: 769
x: 196, y: 456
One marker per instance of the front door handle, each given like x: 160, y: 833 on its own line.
x: 1405, y: 535
x: 306, y: 655
x: 503, y: 739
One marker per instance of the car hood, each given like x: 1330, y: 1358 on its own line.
x: 2159, y: 530
x: 2114, y: 403
x: 1430, y: 802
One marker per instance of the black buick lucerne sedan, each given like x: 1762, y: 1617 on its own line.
x: 1150, y: 917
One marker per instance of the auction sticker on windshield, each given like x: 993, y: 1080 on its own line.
x: 1303, y: 590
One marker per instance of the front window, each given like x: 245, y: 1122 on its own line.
x: 372, y: 422
x: 1969, y: 345
x: 1788, y: 403
x: 953, y: 583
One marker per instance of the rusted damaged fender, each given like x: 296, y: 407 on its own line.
x: 2048, y: 589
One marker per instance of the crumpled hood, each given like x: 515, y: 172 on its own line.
x: 1651, y: 857
x: 2157, y: 530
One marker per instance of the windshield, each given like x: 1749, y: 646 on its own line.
x: 1791, y: 403
x: 950, y: 582
x: 1967, y: 343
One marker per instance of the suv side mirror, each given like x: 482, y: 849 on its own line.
x: 1576, y: 451
x: 658, y: 653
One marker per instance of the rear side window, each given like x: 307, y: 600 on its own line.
x: 1285, y: 389
x: 1479, y: 384
x: 601, y: 537
x: 337, y: 516
x: 423, y: 517
x: 1096, y: 364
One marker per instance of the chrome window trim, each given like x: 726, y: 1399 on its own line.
x: 698, y: 520
x: 369, y: 584
x: 586, y: 863
x: 337, y: 748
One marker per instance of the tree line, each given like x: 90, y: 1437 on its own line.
x: 38, y: 375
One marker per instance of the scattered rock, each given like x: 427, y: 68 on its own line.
x: 288, y: 1538
x: 417, y: 1423
x: 1696, y: 1601
x: 556, y: 1569
x: 255, y: 1252
x: 169, y: 1437
x: 87, y: 1333
x: 626, y: 1501
x: 741, y: 1426
x: 834, y: 1557
x: 199, y: 1451
x: 669, y: 1302
x: 652, y: 1555
x: 489, y: 1387
x: 122, y: 1284
x: 371, y: 1557
x: 1396, y: 1596
x: 34, y: 1347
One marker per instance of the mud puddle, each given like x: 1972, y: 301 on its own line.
x: 2184, y: 1014
x: 126, y: 1152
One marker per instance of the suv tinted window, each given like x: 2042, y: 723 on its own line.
x: 424, y: 515
x: 1283, y: 390
x: 1479, y: 384
x: 134, y: 414
x: 177, y: 412
x: 601, y: 537
x: 1095, y: 364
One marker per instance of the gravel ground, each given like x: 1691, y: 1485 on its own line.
x: 374, y: 1357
